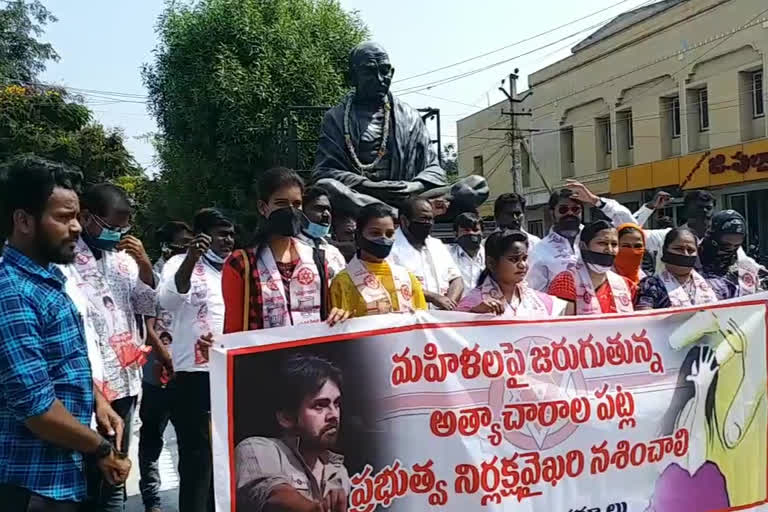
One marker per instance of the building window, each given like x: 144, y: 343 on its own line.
x: 604, y: 131
x: 567, y: 152
x: 478, y: 166
x: 703, y: 111
x: 536, y: 228
x: 675, y: 112
x: 758, y: 103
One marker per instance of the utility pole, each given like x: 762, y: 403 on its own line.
x: 514, y: 135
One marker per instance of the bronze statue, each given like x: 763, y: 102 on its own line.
x: 374, y: 147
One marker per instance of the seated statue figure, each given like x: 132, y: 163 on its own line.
x: 374, y: 147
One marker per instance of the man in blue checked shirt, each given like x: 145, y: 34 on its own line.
x: 47, y: 395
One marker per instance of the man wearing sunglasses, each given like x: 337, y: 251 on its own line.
x: 556, y: 252
x: 112, y: 269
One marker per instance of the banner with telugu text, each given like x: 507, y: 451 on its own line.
x: 662, y: 411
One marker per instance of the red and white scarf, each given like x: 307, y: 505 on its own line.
x: 531, y: 302
x: 748, y: 277
x: 586, y: 298
x: 304, y: 289
x: 679, y: 296
x: 376, y: 297
x: 112, y: 324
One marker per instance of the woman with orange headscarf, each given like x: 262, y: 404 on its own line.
x: 631, y: 250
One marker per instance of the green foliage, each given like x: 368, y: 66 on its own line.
x: 451, y: 162
x: 46, y: 123
x: 22, y: 56
x: 224, y: 74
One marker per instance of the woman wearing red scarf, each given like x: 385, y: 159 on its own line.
x: 631, y: 251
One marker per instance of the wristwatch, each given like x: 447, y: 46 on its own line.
x: 104, y: 450
x: 600, y: 203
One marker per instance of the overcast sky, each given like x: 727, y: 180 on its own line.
x: 103, y: 43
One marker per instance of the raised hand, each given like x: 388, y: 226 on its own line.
x: 581, y: 192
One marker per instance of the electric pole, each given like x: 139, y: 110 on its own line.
x: 514, y: 135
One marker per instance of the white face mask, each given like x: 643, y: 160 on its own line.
x: 598, y: 269
x: 213, y: 257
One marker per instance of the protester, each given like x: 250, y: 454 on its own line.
x: 191, y: 291
x: 501, y: 288
x: 509, y: 213
x: 468, y: 252
x: 117, y: 277
x: 678, y: 284
x: 174, y: 237
x: 47, y: 396
x: 629, y: 260
x: 591, y: 286
x: 719, y: 250
x: 699, y: 210
x: 344, y: 229
x: 299, y: 470
x: 555, y: 253
x: 317, y: 226
x: 427, y: 257
x: 279, y: 280
x: 372, y: 285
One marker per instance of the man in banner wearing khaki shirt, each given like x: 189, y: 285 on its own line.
x: 298, y: 472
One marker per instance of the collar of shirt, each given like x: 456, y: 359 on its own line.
x: 461, y: 253
x: 326, y: 457
x: 12, y: 256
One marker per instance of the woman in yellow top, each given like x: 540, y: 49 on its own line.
x: 371, y: 285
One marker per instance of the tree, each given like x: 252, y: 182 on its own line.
x: 47, y: 123
x: 223, y: 76
x: 22, y: 56
x: 451, y: 162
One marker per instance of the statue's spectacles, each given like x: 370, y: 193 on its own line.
x: 382, y: 69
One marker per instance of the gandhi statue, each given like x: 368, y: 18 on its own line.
x: 374, y: 147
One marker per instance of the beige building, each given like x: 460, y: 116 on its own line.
x: 668, y: 96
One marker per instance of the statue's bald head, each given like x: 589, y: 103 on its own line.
x: 371, y: 71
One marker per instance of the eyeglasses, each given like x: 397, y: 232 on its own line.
x: 564, y: 210
x: 103, y: 224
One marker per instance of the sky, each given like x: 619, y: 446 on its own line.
x: 103, y: 44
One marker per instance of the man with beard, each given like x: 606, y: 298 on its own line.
x: 555, y: 252
x: 509, y: 212
x: 317, y: 225
x: 298, y: 472
x: 191, y: 291
x: 468, y: 251
x: 47, y: 395
x: 426, y: 257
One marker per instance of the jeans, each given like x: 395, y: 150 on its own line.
x: 155, y: 412
x: 19, y: 499
x: 104, y: 497
x: 191, y: 417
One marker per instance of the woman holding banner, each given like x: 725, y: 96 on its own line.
x: 591, y: 286
x: 372, y: 284
x: 678, y: 284
x: 502, y: 288
x: 280, y: 280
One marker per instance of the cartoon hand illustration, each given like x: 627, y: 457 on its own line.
x: 703, y: 372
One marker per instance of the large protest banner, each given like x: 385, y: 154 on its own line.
x: 662, y: 411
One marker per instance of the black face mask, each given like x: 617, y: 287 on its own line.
x: 597, y: 258
x: 379, y: 248
x: 679, y: 260
x: 420, y: 230
x: 569, y: 223
x: 469, y: 242
x: 285, y: 222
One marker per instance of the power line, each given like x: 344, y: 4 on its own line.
x: 516, y: 43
